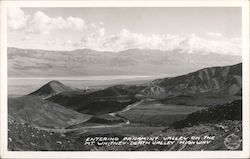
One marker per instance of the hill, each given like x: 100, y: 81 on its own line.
x: 214, y: 114
x: 99, y: 102
x: 50, y: 89
x: 42, y: 113
x: 227, y: 80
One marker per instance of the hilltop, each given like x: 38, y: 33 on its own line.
x: 50, y: 89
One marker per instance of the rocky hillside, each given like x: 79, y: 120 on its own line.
x: 220, y: 131
x: 226, y: 80
x: 214, y: 114
x: 24, y: 137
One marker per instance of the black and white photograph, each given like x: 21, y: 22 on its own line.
x: 125, y: 79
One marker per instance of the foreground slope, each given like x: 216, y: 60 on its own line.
x: 42, y: 113
x: 220, y: 121
x: 37, y: 140
x: 228, y: 111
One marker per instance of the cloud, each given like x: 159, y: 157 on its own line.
x: 96, y: 25
x: 16, y: 18
x: 49, y: 42
x: 67, y: 43
x: 26, y: 38
x: 75, y: 23
x: 101, y: 32
x: 95, y: 36
x: 126, y: 39
x: 42, y: 23
x: 217, y: 35
x: 63, y: 43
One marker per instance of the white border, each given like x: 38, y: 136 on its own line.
x: 244, y: 4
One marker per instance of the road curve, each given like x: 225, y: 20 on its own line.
x: 115, y: 114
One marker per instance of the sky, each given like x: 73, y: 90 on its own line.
x: 214, y: 29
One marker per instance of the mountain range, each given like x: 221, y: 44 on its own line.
x: 193, y: 103
x: 213, y: 85
x: 227, y: 79
x: 188, y: 104
x: 86, y: 62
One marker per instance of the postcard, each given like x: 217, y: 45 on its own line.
x: 124, y: 79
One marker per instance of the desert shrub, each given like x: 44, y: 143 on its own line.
x: 217, y: 113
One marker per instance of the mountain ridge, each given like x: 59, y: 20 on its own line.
x: 227, y: 79
x: 215, y: 85
x: 42, y: 63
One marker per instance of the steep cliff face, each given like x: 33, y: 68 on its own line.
x: 217, y: 79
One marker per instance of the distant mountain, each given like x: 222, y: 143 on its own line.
x: 86, y: 62
x: 227, y: 80
x: 50, y: 89
x: 42, y: 113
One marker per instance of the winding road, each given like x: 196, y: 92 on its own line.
x: 83, y: 129
x: 126, y: 121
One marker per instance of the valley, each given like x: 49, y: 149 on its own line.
x: 164, y: 106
